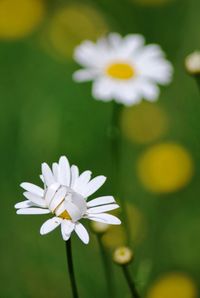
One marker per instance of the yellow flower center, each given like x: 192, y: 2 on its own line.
x: 65, y: 215
x: 120, y: 70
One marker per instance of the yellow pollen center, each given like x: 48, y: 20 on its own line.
x: 65, y: 215
x: 122, y: 71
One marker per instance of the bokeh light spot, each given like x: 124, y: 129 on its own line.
x: 71, y: 25
x: 116, y: 235
x: 165, y: 167
x: 144, y: 123
x: 19, y: 18
x: 173, y: 285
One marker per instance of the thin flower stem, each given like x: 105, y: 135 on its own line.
x: 198, y: 81
x: 107, y: 267
x: 116, y: 160
x: 130, y: 282
x: 71, y: 268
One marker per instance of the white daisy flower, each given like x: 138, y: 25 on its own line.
x: 123, y: 69
x: 65, y: 194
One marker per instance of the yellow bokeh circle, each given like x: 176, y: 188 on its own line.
x: 173, y: 285
x: 165, y: 167
x: 144, y: 123
x: 18, y: 18
x: 69, y: 26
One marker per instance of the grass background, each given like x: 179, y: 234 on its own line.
x: 45, y: 114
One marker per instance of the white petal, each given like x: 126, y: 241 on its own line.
x: 50, y: 225
x: 73, y: 211
x: 81, y: 181
x: 105, y: 218
x: 85, y: 75
x: 60, y: 209
x: 94, y: 185
x: 132, y: 43
x: 24, y: 204
x: 101, y: 201
x: 88, y: 54
x: 58, y: 198
x: 74, y: 175
x: 115, y: 40
x: 42, y: 178
x: 127, y: 93
x: 66, y: 229
x: 47, y: 174
x: 82, y: 232
x: 32, y: 188
x: 35, y: 199
x: 55, y: 170
x: 33, y: 211
x: 51, y: 190
x: 101, y: 209
x: 150, y: 91
x: 102, y: 89
x: 64, y: 173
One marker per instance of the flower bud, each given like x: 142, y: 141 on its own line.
x: 192, y: 63
x: 123, y: 255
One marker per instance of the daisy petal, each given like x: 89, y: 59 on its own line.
x: 85, y: 75
x: 35, y: 199
x: 132, y: 43
x: 66, y: 229
x: 81, y: 181
x: 32, y: 188
x: 33, y: 211
x: 47, y: 174
x: 55, y: 170
x: 82, y: 233
x: 42, y: 178
x: 73, y: 211
x: 101, y: 201
x: 24, y: 204
x: 58, y: 198
x: 51, y: 190
x: 74, y: 175
x: 64, y: 173
x: 50, y: 225
x: 105, y: 218
x: 150, y: 91
x: 94, y: 185
x: 104, y: 208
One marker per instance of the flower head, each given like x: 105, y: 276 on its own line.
x: 123, y: 69
x: 65, y: 194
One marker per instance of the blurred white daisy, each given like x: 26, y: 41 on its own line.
x: 65, y: 195
x: 123, y: 69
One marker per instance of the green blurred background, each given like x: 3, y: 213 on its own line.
x: 44, y: 114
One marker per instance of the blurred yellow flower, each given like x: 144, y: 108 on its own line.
x: 69, y: 26
x: 165, y: 167
x: 144, y: 123
x: 173, y: 285
x: 19, y: 18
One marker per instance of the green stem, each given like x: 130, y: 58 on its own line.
x: 116, y: 160
x: 130, y: 282
x: 197, y: 77
x: 71, y: 268
x: 107, y: 267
